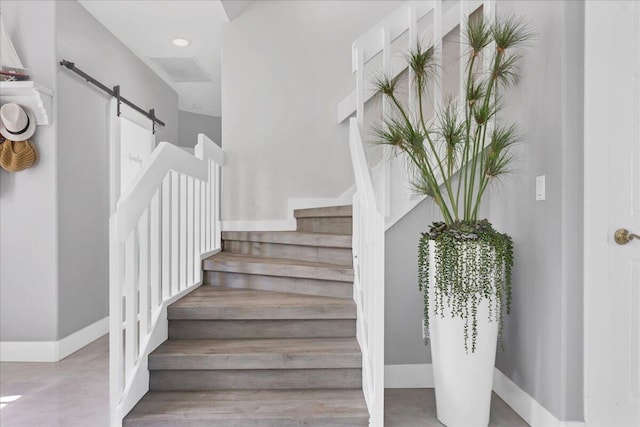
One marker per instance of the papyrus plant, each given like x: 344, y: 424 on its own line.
x: 463, y: 139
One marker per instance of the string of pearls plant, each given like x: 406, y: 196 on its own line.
x: 452, y: 157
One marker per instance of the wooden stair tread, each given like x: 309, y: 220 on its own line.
x: 258, y: 346
x: 330, y: 211
x: 298, y: 238
x: 210, y: 302
x: 249, y: 264
x: 251, y: 407
x: 296, y: 353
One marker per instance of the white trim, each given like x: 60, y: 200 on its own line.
x: 289, y: 224
x: 526, y: 406
x: 419, y: 375
x: 74, y: 342
x: 274, y: 225
x: 52, y: 351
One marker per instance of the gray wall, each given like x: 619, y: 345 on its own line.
x: 543, y: 348
x: 28, y: 224
x: 191, y: 124
x: 544, y: 344
x: 403, y: 302
x: 83, y: 153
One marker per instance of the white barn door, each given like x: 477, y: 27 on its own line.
x: 612, y: 202
x: 132, y: 142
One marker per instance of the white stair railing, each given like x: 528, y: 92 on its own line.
x: 372, y: 204
x: 164, y: 225
x: 368, y: 286
x: 442, y: 17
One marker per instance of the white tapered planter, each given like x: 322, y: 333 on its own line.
x: 463, y: 380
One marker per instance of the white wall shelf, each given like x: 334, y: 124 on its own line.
x: 31, y: 95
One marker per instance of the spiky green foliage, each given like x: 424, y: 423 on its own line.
x: 453, y: 141
x: 464, y: 139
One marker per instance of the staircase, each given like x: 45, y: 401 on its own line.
x: 270, y: 337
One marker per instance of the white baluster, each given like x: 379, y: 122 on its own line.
x: 197, y: 221
x: 155, y: 243
x: 359, y: 52
x: 143, y: 227
x: 167, y: 222
x: 183, y: 232
x: 437, y: 40
x: 214, y: 203
x: 208, y: 215
x: 175, y: 233
x: 131, y: 310
x: 116, y: 365
x: 462, y: 96
x: 413, y: 42
x: 190, y: 228
x: 217, y: 194
x: 203, y: 219
x: 386, y: 152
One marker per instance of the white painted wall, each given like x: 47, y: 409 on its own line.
x: 28, y: 199
x: 191, y: 124
x: 285, y: 67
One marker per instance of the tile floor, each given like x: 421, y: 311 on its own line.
x: 416, y: 407
x: 74, y: 393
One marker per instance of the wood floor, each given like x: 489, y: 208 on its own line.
x: 75, y: 393
x: 269, y: 339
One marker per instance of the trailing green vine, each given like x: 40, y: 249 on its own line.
x: 472, y: 264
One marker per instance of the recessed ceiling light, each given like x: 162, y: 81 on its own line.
x: 180, y: 42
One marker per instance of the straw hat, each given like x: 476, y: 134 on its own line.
x: 17, y: 123
x: 17, y: 155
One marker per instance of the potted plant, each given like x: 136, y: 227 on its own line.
x: 464, y: 264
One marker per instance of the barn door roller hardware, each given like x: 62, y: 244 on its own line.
x: 115, y: 92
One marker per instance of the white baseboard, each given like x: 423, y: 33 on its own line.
x: 526, y: 406
x: 418, y: 375
x: 275, y: 225
x: 52, y: 351
x: 421, y: 376
x: 74, y: 342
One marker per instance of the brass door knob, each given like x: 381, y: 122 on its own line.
x: 623, y: 236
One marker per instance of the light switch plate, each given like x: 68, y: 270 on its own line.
x: 541, y: 192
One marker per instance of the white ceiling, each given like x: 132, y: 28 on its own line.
x: 147, y: 28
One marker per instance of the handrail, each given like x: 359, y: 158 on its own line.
x: 136, y: 198
x: 165, y: 223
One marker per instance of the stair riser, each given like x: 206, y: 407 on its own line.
x: 271, y: 422
x: 229, y: 329
x: 328, y: 211
x: 340, y: 256
x: 270, y: 379
x: 270, y: 313
x: 279, y: 284
x: 338, y: 273
x: 255, y: 361
x: 334, y: 225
